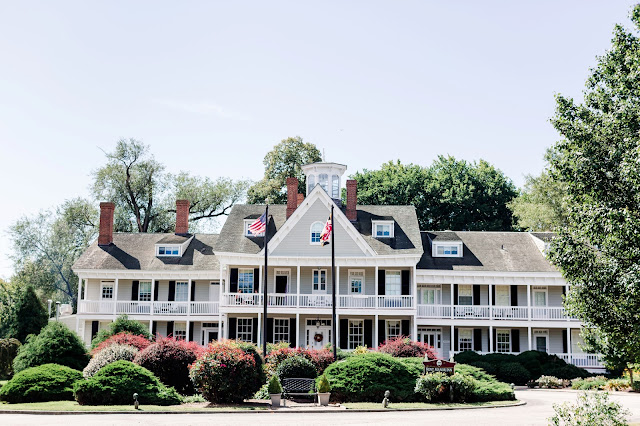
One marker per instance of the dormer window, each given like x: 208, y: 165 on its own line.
x: 247, y: 233
x: 383, y: 228
x: 449, y: 249
x: 168, y: 250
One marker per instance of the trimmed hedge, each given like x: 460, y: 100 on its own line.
x: 108, y: 355
x: 296, y: 367
x: 48, y: 382
x: 116, y: 383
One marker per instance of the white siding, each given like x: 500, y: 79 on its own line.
x: 369, y: 280
x: 555, y: 296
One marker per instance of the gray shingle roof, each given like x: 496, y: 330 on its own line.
x: 445, y: 236
x: 138, y: 252
x: 489, y: 251
x: 232, y: 237
x: 547, y: 237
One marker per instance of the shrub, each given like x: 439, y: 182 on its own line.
x: 489, y: 368
x: 123, y: 338
x: 635, y: 386
x: 121, y: 324
x: 274, y: 386
x: 366, y: 377
x: 55, y: 344
x: 549, y: 382
x: 322, y: 384
x: 276, y: 346
x: 48, y: 382
x: 512, y: 372
x: 263, y: 392
x: 431, y: 386
x: 224, y: 373
x: 108, y: 355
x: 487, y: 387
x: 117, y: 382
x: 438, y: 386
x: 8, y: 351
x: 359, y: 350
x: 403, y: 347
x: 567, y: 371
x: 591, y: 409
x: 467, y: 357
x: 531, y: 360
x: 296, y: 366
x: 616, y: 385
x: 169, y: 359
x: 463, y: 387
x: 590, y: 383
x: 320, y: 358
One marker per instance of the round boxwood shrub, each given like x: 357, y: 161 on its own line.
x: 108, y: 355
x: 296, y: 367
x: 169, y: 359
x: 8, y: 351
x: 225, y: 373
x: 48, y: 382
x: 116, y: 383
x: 56, y: 343
x: 124, y: 338
x: 512, y: 372
x: 366, y: 377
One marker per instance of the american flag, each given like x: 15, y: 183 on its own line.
x: 259, y: 226
x: 326, y: 232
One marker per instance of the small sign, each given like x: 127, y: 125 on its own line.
x: 438, y: 366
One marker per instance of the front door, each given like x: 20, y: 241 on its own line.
x: 211, y: 336
x: 318, y: 337
x: 432, y: 338
x: 281, y: 283
x: 541, y: 343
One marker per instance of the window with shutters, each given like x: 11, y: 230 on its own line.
x: 356, y: 281
x: 394, y: 329
x: 144, y: 291
x: 503, y: 340
x: 244, y: 329
x: 180, y: 330
x: 356, y: 333
x: 503, y: 295
x: 465, y: 339
x: 393, y: 283
x: 106, y: 291
x: 245, y: 280
x: 182, y: 291
x: 280, y: 330
x: 465, y: 294
x: 540, y: 296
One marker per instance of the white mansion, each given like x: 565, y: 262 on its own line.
x: 482, y: 291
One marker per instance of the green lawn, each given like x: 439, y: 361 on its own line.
x: 423, y: 405
x: 74, y: 406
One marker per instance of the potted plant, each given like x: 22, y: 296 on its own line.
x: 324, y: 390
x: 275, y: 390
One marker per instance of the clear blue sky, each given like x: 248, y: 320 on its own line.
x: 212, y: 86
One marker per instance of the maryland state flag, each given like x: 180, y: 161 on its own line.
x: 326, y: 232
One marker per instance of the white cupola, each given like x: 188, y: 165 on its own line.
x: 327, y: 175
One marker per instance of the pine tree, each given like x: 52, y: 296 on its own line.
x: 28, y: 317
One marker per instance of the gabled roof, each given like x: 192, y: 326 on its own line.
x: 488, y: 251
x: 406, y: 240
x: 138, y: 252
x: 232, y: 238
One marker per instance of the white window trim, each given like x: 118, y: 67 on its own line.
x: 247, y: 233
x: 386, y: 327
x: 319, y: 242
x: 281, y: 272
x: 158, y: 246
x: 186, y: 285
x: 546, y: 296
x: 508, y: 331
x: 375, y: 223
x: 175, y: 330
x: 288, y: 320
x: 238, y: 329
x: 349, y: 331
x: 434, y: 249
x: 473, y: 343
x: 113, y: 289
x: 472, y: 300
x: 437, y: 287
x: 540, y: 333
x: 140, y: 291
x: 326, y: 281
x: 362, y: 290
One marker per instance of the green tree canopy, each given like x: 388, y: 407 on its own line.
x: 598, y: 251
x: 284, y: 160
x: 28, y: 317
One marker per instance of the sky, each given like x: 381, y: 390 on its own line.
x: 212, y: 86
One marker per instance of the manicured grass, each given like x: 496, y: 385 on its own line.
x: 423, y: 405
x: 74, y: 406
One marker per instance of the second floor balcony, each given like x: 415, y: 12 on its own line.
x: 147, y: 308
x: 319, y: 301
x: 523, y: 313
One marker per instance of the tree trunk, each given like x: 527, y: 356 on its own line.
x: 630, y: 375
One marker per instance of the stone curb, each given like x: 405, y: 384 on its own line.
x: 288, y: 411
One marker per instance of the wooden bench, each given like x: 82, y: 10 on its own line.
x: 299, y: 387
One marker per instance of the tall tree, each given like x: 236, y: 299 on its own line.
x: 28, y: 317
x: 8, y: 296
x: 598, y: 251
x: 284, y: 160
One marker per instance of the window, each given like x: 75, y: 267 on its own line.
x: 383, y: 229
x: 245, y: 281
x: 539, y: 296
x: 447, y: 250
x: 503, y: 340
x: 180, y: 330
x: 316, y: 230
x: 541, y: 337
x: 311, y: 182
x: 320, y: 280
x: 245, y: 329
x: 182, y: 291
x: 432, y: 295
x: 465, y: 339
x: 144, y: 291
x: 503, y: 295
x: 356, y: 333
x: 168, y: 250
x: 356, y: 282
x: 247, y: 233
x: 107, y: 290
x: 280, y: 330
x: 465, y: 294
x: 394, y: 329
x: 323, y: 181
x: 393, y: 283
x: 335, y: 187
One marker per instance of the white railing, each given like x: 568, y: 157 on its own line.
x: 243, y: 299
x: 95, y: 307
x: 315, y: 300
x: 493, y: 312
x: 205, y: 308
x: 434, y: 311
x: 471, y: 311
x: 548, y: 313
x: 280, y: 299
x: 133, y: 308
x: 357, y: 302
x: 395, y: 302
x: 510, y: 312
x: 170, y: 308
x: 582, y: 360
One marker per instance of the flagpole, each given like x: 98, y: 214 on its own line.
x: 333, y: 289
x: 264, y: 284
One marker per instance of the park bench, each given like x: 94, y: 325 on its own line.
x: 299, y: 387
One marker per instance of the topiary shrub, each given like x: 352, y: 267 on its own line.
x: 224, y: 373
x: 274, y: 386
x: 322, y: 384
x: 8, y: 351
x: 48, y: 382
x: 403, y: 347
x: 116, y: 383
x: 169, y: 359
x: 121, y: 324
x: 124, y: 338
x: 296, y: 366
x: 366, y: 377
x: 108, y: 355
x: 56, y: 343
x: 512, y: 372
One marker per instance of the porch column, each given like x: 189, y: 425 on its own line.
x: 375, y: 277
x: 221, y: 284
x: 335, y: 339
x: 415, y: 327
x: 188, y: 302
x: 452, y: 303
x: 529, y: 307
x: 490, y: 302
x: 569, y: 352
x: 529, y: 337
x: 338, y: 285
x: 375, y: 327
x: 151, y: 327
x: 298, y: 331
x: 452, y: 341
x: 115, y: 298
x: 414, y: 289
x: 298, y: 287
x: 490, y: 338
x: 262, y: 281
x: 186, y: 338
x: 79, y: 294
x: 153, y: 293
x: 260, y: 336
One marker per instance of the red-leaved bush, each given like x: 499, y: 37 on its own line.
x: 169, y: 359
x: 403, y: 347
x: 225, y: 373
x: 320, y: 358
x: 124, y: 338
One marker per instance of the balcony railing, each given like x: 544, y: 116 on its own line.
x: 582, y: 360
x: 148, y: 308
x: 492, y: 312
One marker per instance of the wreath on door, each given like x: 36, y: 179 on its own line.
x: 318, y: 337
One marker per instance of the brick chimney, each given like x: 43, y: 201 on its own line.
x: 182, y: 217
x: 292, y: 195
x: 300, y: 199
x: 105, y: 237
x: 352, y: 200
